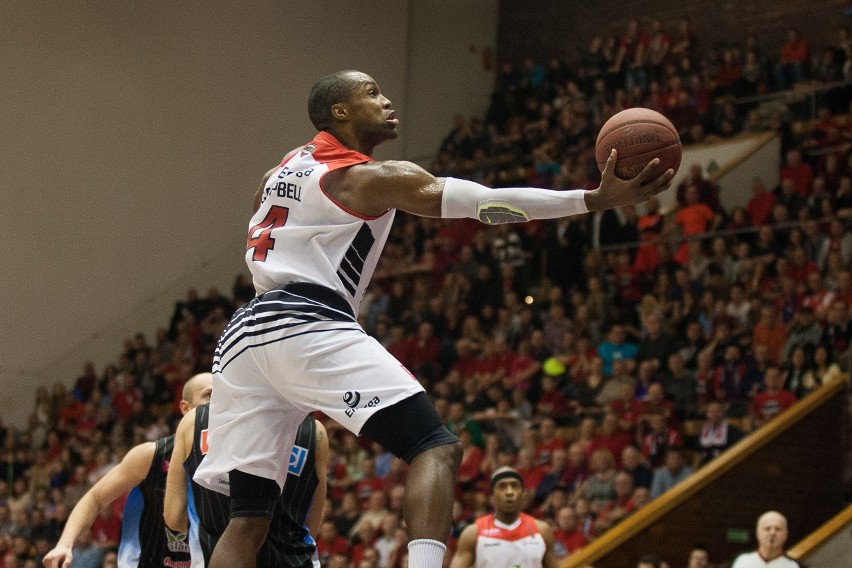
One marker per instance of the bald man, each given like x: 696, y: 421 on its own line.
x: 145, y: 540
x: 771, y: 536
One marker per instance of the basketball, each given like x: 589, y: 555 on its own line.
x: 639, y: 135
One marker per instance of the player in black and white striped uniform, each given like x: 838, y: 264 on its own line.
x: 321, y: 220
x: 205, y: 513
x: 146, y: 542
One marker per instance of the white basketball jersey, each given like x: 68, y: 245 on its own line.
x: 520, y: 546
x: 300, y: 234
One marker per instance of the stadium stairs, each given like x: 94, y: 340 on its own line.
x: 794, y: 464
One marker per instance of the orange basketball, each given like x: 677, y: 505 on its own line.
x: 639, y: 135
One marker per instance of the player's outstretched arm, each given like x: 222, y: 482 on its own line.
x: 174, y: 501
x: 375, y: 187
x: 316, y: 512
x: 121, y: 479
x: 465, y: 555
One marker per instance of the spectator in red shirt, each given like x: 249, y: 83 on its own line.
x: 620, y: 506
x: 106, y: 529
x: 818, y: 298
x: 471, y: 463
x: 727, y: 73
x: 759, y: 207
x: 708, y: 192
x: 792, y: 65
x: 568, y: 538
x: 692, y: 219
x: 548, y: 441
x: 330, y: 543
x: 659, y: 439
x: 627, y: 408
x: 529, y: 469
x: 773, y: 400
x: 368, y: 483
x: 127, y: 401
x: 423, y: 351
x: 630, y: 58
x: 800, y: 172
x: 552, y: 403
x: 650, y: 226
x: 611, y: 437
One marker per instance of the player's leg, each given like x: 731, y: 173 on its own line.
x: 351, y: 378
x: 253, y: 501
x: 413, y: 431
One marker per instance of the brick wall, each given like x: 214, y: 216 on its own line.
x: 541, y: 28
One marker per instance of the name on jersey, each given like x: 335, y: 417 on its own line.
x: 284, y: 190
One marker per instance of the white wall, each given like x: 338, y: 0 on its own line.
x: 134, y: 135
x: 763, y: 161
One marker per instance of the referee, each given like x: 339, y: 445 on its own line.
x: 297, y: 514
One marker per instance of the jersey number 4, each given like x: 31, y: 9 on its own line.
x: 259, y: 235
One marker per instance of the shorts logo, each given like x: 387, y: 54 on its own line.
x: 298, y: 457
x: 352, y: 398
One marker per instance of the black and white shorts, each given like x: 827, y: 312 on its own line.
x: 287, y: 353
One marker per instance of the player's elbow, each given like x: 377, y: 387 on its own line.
x: 175, y: 521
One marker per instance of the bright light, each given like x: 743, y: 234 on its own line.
x: 528, y: 300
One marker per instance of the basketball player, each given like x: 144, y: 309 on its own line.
x: 506, y: 538
x: 297, y: 515
x: 321, y: 220
x: 145, y: 540
x: 771, y: 536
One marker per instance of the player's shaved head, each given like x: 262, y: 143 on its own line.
x: 197, y: 390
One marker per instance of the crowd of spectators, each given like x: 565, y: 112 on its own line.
x: 544, y: 346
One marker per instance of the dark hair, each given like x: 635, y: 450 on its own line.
x: 327, y: 92
x: 650, y: 559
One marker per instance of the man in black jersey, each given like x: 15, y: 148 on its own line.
x: 205, y: 513
x: 145, y: 540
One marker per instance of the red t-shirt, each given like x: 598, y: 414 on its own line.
x: 769, y: 405
x: 802, y: 175
x: 570, y: 542
x: 759, y: 208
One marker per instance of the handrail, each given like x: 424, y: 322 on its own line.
x: 651, y: 513
x: 816, y: 539
x: 761, y: 140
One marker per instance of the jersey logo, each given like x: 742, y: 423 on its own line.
x: 352, y: 398
x: 309, y: 149
x: 176, y: 542
x: 298, y: 458
x: 203, y: 444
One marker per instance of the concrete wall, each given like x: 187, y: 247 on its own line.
x: 135, y: 133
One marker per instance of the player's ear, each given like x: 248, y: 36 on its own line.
x: 340, y: 112
x: 184, y: 407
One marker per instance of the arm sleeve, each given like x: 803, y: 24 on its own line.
x: 467, y: 199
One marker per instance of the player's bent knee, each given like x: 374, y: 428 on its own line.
x: 449, y: 454
x: 409, y: 428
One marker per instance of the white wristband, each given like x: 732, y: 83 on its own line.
x: 494, y: 206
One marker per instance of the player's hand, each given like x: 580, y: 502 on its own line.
x: 59, y: 557
x: 617, y: 192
